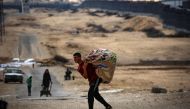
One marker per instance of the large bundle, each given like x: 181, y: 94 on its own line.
x: 105, y: 60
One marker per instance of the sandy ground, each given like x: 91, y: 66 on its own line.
x: 43, y: 34
x: 136, y: 93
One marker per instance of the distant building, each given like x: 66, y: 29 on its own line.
x: 146, y: 0
x: 74, y: 1
x: 172, y: 3
x: 126, y: 0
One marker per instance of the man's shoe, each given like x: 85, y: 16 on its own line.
x: 109, y: 107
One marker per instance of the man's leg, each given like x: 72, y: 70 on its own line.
x: 91, y: 97
x: 98, y: 96
x: 29, y: 91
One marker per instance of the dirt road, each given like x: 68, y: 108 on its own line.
x: 28, y: 46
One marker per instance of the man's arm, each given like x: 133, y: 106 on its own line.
x: 85, y: 71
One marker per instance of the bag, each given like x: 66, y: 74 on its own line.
x: 105, y: 60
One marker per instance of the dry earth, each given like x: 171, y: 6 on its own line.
x: 49, y: 33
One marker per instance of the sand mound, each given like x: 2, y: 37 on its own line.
x: 139, y: 23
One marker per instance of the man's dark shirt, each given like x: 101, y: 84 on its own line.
x: 91, y: 72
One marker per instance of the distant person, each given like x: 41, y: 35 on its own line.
x: 88, y: 71
x: 33, y: 66
x: 29, y: 85
x: 46, y: 81
x: 68, y: 74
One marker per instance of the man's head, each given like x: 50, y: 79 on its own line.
x: 77, y: 57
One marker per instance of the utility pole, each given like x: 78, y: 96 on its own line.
x: 2, y: 28
x: 22, y: 6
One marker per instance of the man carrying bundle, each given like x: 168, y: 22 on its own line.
x: 88, y: 71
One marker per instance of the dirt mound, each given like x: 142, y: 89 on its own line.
x: 96, y: 28
x: 139, y: 23
x: 136, y: 23
x: 4, y: 59
x: 27, y: 18
x: 28, y: 21
x: 60, y: 59
x: 56, y: 60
